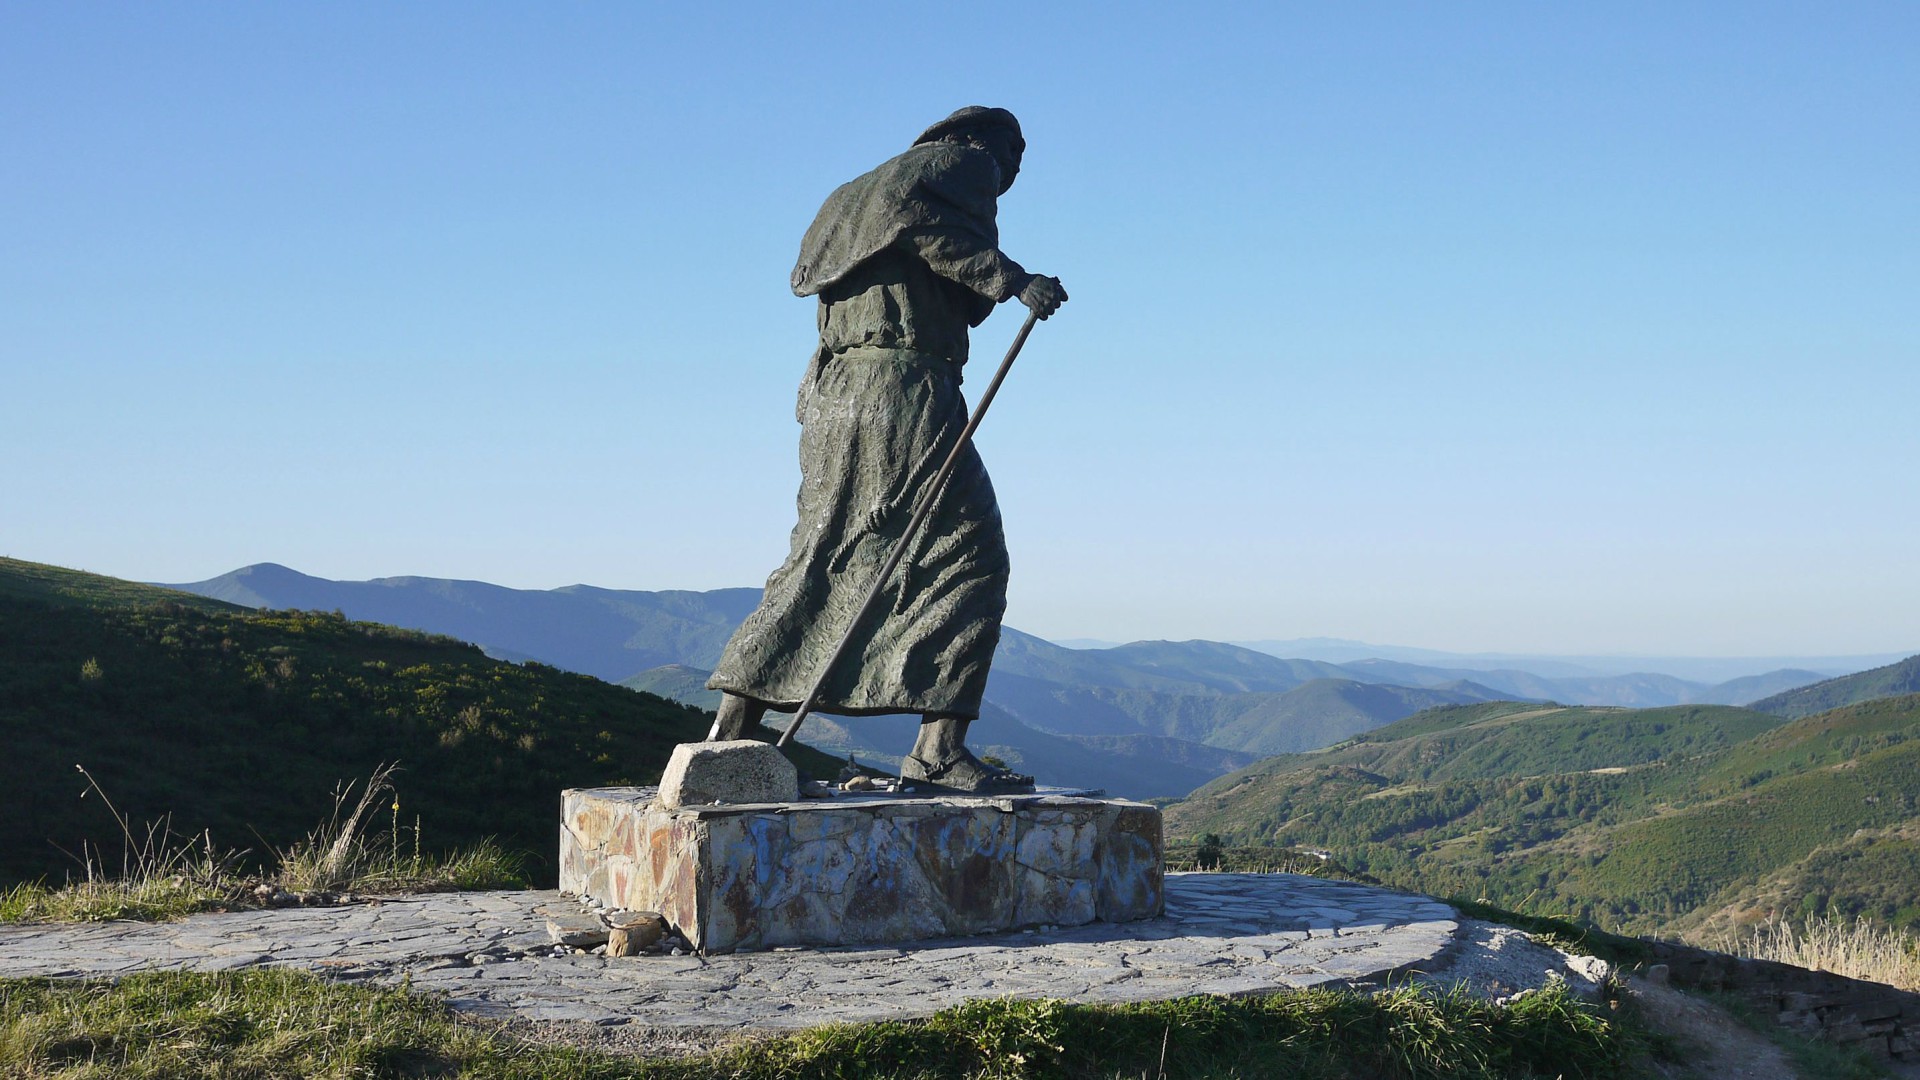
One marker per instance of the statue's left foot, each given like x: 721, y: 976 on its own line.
x: 965, y: 773
x: 736, y: 716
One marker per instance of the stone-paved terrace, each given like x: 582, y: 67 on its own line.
x: 491, y: 955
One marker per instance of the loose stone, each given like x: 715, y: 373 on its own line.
x: 634, y: 931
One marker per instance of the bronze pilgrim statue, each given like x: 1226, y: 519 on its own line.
x: 905, y: 259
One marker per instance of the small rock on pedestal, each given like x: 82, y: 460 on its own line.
x: 576, y: 929
x: 633, y: 931
x: 735, y: 771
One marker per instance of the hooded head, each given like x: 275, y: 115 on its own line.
x: 993, y: 130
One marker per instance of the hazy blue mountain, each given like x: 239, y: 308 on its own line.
x: 1211, y: 759
x: 1049, y: 706
x: 1309, y: 715
x: 1518, y: 684
x: 1176, y: 666
x: 1131, y: 766
x: 614, y: 634
x: 1882, y: 682
x: 665, y: 643
x: 1343, y: 650
x: 1136, y: 769
x: 1707, y: 670
x: 1752, y: 688
x: 607, y: 633
x: 1327, y: 711
x: 1134, y: 764
x: 1635, y: 690
x: 1162, y: 743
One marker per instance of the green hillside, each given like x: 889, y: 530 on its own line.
x: 1653, y: 819
x: 1870, y: 872
x: 1881, y: 682
x: 243, y: 723
x: 73, y: 588
x: 607, y: 633
x: 678, y: 682
x: 1674, y: 862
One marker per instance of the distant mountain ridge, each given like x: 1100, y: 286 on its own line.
x: 1708, y: 670
x: 1639, y: 690
x: 1881, y: 682
x: 1212, y: 697
x: 614, y: 634
x: 606, y: 633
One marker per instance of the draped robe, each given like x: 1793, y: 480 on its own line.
x: 904, y: 260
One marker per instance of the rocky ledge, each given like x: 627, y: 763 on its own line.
x: 493, y: 954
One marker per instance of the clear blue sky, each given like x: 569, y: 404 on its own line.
x: 1530, y: 327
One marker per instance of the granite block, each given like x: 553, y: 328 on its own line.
x: 863, y: 869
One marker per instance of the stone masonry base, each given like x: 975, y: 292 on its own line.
x: 862, y: 869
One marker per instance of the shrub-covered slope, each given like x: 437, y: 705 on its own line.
x: 1640, y: 819
x: 609, y: 633
x: 244, y: 722
x: 1881, y: 682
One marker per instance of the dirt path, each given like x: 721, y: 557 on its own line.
x: 1715, y: 1045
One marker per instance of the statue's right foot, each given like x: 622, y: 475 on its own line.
x: 736, y: 716
x: 965, y: 773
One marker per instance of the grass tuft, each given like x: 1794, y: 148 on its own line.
x: 148, y: 899
x: 1857, y: 949
x: 285, y: 1024
x: 342, y: 855
x: 164, y: 876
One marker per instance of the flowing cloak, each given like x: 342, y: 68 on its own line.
x: 904, y: 260
x: 937, y: 186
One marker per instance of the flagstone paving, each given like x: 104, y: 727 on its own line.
x: 490, y: 954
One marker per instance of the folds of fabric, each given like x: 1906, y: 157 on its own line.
x: 877, y: 424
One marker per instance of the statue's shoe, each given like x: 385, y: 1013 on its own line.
x: 736, y: 716
x: 967, y: 774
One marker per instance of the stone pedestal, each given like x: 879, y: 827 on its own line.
x: 856, y: 869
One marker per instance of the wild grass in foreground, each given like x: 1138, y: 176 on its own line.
x: 164, y: 876
x: 1857, y: 949
x: 342, y: 856
x: 1210, y: 855
x: 273, y: 1024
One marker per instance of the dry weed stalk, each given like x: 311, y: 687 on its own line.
x: 1857, y: 949
x: 304, y: 866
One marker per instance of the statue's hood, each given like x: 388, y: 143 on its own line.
x: 943, y: 186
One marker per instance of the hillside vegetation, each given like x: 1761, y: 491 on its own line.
x: 244, y: 723
x: 1641, y: 820
x: 1880, y: 682
x: 607, y: 633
